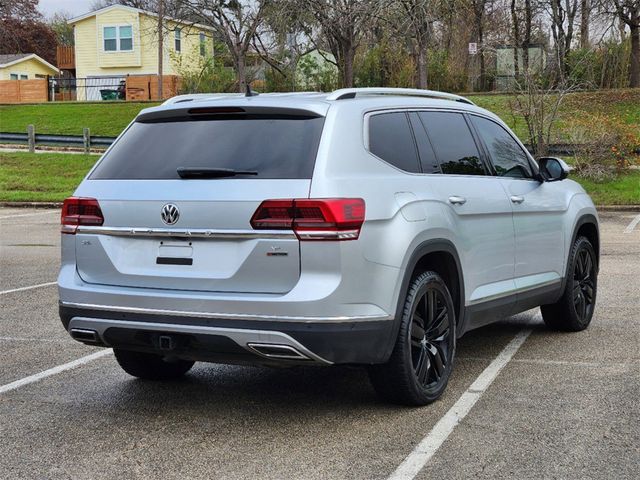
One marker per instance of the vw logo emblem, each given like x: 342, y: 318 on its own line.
x: 170, y: 214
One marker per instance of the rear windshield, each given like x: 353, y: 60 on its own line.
x: 274, y: 147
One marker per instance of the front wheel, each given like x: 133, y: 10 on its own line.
x: 422, y: 359
x: 574, y: 310
x: 149, y: 366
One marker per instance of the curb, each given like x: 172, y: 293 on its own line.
x: 618, y: 208
x: 31, y: 204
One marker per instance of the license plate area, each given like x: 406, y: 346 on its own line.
x: 175, y: 254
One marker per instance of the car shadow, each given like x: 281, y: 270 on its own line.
x: 293, y: 389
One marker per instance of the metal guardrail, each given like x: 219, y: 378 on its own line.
x: 57, y: 140
x: 564, y: 149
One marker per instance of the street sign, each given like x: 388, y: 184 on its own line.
x: 473, y: 48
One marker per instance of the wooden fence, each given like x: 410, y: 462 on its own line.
x: 24, y: 91
x: 145, y: 87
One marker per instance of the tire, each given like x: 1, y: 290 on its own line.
x: 422, y: 359
x: 574, y: 311
x: 149, y: 366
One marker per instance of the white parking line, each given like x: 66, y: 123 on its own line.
x: 54, y: 371
x: 48, y: 212
x: 632, y: 225
x: 31, y: 287
x: 423, y: 452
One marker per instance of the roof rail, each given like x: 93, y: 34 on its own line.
x: 345, y: 93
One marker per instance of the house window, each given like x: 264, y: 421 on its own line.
x: 24, y: 77
x: 110, y: 39
x: 118, y: 38
x: 178, y: 39
x: 13, y: 76
x: 126, y: 38
x: 203, y: 45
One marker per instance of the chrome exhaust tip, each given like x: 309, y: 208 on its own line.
x: 277, y: 351
x: 85, y: 336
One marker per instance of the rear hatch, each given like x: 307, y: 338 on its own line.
x: 177, y: 192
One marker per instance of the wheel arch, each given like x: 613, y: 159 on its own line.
x: 441, y: 256
x: 587, y: 225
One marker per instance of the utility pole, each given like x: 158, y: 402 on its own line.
x: 160, y: 45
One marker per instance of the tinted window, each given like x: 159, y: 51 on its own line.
x: 390, y: 139
x: 425, y: 149
x: 506, y: 155
x: 273, y: 147
x: 452, y: 141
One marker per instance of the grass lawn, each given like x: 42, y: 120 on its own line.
x: 54, y: 176
x: 110, y: 118
x: 623, y: 104
x: 622, y: 190
x: 43, y: 177
x: 69, y: 118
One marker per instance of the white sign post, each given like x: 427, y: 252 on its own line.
x: 473, y: 48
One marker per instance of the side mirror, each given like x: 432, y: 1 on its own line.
x: 553, y: 169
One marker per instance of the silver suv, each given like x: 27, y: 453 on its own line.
x: 364, y: 226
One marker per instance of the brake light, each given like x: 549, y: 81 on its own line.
x: 312, y: 219
x: 80, y: 211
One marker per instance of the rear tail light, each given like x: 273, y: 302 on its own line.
x: 312, y: 219
x: 80, y: 211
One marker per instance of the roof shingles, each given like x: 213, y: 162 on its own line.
x: 12, y: 57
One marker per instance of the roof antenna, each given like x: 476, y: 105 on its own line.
x: 250, y: 93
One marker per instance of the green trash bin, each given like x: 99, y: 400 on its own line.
x: 109, y: 94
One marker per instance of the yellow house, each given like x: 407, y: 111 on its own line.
x: 25, y: 66
x: 118, y: 40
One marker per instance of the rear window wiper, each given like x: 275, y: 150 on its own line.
x: 204, y: 172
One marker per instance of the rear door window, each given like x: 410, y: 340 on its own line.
x: 508, y: 158
x: 390, y: 138
x: 453, y: 143
x: 274, y: 147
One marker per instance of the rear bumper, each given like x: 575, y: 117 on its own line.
x: 233, y: 339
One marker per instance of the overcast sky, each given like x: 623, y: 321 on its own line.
x: 74, y: 7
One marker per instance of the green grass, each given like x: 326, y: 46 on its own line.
x: 622, y: 104
x: 41, y: 177
x: 51, y: 177
x: 621, y: 190
x: 69, y: 118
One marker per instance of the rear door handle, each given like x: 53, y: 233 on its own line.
x: 456, y: 200
x: 517, y: 199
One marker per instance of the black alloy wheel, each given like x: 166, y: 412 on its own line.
x: 430, y: 337
x: 584, y: 284
x: 418, y: 370
x: 574, y: 309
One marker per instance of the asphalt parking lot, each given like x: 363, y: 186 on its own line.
x: 563, y: 406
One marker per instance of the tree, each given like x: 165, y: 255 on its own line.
x: 23, y: 10
x: 478, y: 8
x: 23, y: 31
x: 341, y: 25
x: 563, y: 14
x: 628, y: 11
x: 538, y: 104
x: 585, y: 20
x: 522, y: 16
x: 236, y: 23
x: 63, y: 31
x: 418, y: 16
